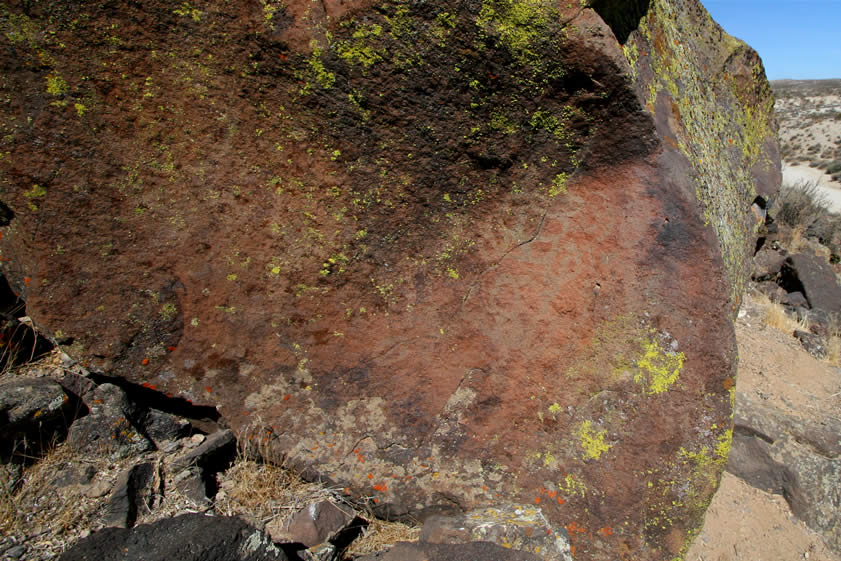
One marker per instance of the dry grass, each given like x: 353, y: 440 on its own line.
x: 48, y: 517
x: 775, y: 316
x: 806, y: 210
x: 265, y: 492
x: 798, y: 241
x: 833, y: 350
x: 10, y: 514
x: 380, y: 535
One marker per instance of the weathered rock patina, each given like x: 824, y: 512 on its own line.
x: 446, y: 254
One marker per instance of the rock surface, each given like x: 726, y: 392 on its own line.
x: 782, y: 454
x: 318, y: 523
x: 110, y: 428
x: 818, y: 281
x: 474, y: 551
x: 189, y: 537
x: 518, y: 527
x: 32, y: 410
x: 447, y: 254
x: 133, y: 494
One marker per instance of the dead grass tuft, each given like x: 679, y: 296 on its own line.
x: 10, y: 515
x: 833, y: 350
x: 265, y: 492
x: 776, y: 317
x: 380, y: 535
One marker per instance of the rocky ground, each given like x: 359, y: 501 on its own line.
x: 744, y: 522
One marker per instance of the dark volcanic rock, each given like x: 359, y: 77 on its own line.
x: 814, y: 344
x: 162, y: 427
x: 32, y: 411
x: 780, y: 454
x: 817, y: 279
x: 214, y: 454
x: 189, y: 537
x: 767, y: 264
x: 110, y: 428
x: 523, y: 526
x: 133, y: 493
x: 795, y: 299
x: 445, y: 254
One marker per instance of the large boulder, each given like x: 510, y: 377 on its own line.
x: 443, y: 254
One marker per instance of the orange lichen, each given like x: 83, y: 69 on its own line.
x: 381, y: 487
x: 286, y: 397
x: 144, y: 362
x: 27, y: 280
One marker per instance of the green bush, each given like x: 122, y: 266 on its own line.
x: 834, y: 167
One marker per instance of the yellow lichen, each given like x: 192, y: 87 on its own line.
x: 658, y: 369
x: 592, y: 442
x: 571, y: 486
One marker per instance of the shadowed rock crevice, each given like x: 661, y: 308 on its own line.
x: 623, y: 16
x: 150, y: 397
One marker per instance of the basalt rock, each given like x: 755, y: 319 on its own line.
x: 188, y: 537
x: 444, y: 254
x: 33, y: 413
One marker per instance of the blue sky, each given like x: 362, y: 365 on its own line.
x: 798, y: 39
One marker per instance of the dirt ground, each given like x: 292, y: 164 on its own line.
x: 744, y: 523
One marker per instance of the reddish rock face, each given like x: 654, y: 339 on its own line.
x: 444, y: 255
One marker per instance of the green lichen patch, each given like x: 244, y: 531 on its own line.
x: 526, y: 29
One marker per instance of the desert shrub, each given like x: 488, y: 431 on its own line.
x: 834, y: 167
x: 804, y: 208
